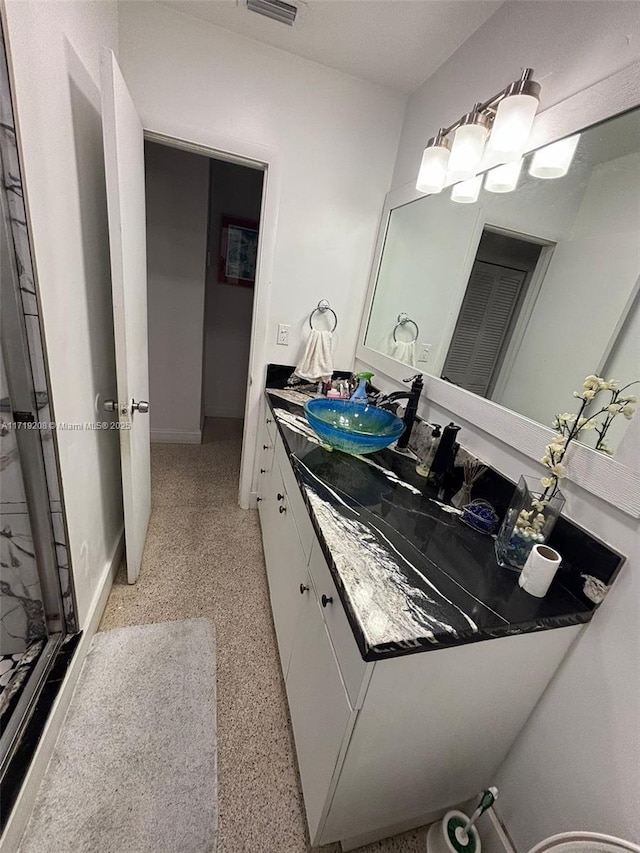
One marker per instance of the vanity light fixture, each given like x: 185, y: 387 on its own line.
x: 503, y: 179
x: 433, y: 169
x: 504, y: 120
x: 468, y: 146
x: 467, y: 192
x: 514, y: 117
x: 553, y: 161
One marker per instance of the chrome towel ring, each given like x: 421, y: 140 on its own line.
x: 403, y: 319
x: 323, y: 306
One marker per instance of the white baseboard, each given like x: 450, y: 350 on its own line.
x: 224, y: 412
x: 21, y: 813
x: 176, y: 436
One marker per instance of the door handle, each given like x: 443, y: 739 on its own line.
x: 142, y: 406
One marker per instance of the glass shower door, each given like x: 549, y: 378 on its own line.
x: 23, y: 630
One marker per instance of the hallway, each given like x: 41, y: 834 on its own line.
x: 204, y: 557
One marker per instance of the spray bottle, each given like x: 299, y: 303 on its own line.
x: 360, y: 394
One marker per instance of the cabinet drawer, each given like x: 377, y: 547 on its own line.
x: 352, y: 667
x: 270, y: 423
x: 295, y: 502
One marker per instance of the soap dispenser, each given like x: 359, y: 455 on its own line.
x: 444, y: 458
x: 422, y: 468
x: 360, y: 394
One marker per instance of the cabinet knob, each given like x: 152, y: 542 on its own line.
x: 282, y: 509
x: 263, y: 470
x: 326, y: 599
x: 258, y: 500
x: 265, y: 446
x: 303, y: 589
x: 269, y: 421
x: 280, y: 497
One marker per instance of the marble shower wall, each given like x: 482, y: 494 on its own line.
x: 21, y: 608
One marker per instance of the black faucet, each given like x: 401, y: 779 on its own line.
x: 412, y: 397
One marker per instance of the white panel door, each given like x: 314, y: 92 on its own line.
x: 124, y: 166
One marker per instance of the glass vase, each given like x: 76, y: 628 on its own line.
x: 462, y: 497
x: 529, y: 521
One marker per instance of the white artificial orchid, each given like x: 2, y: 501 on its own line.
x: 569, y: 425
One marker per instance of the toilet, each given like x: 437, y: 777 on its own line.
x: 584, y: 842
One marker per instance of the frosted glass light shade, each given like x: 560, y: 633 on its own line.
x: 503, y: 179
x: 467, y: 192
x: 433, y: 169
x: 512, y: 125
x: 466, y: 153
x: 553, y: 161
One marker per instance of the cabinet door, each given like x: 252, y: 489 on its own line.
x: 320, y: 712
x: 286, y: 562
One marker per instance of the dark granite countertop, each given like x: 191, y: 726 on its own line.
x: 412, y: 576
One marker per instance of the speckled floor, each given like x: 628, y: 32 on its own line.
x: 204, y: 557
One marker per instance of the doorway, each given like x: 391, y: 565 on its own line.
x: 498, y: 300
x: 203, y: 224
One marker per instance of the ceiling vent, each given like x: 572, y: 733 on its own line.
x: 276, y: 9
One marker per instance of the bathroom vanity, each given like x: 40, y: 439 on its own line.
x: 403, y: 645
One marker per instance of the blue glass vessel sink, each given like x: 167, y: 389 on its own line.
x: 352, y: 427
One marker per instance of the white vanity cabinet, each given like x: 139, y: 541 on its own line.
x: 385, y: 745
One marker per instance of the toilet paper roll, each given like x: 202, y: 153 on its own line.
x: 539, y: 570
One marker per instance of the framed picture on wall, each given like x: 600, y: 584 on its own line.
x: 238, y: 251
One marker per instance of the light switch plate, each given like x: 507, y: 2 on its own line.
x: 283, y: 335
x: 424, y: 351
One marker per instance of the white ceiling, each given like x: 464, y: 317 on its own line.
x: 396, y: 43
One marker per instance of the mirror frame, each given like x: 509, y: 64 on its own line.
x: 615, y: 480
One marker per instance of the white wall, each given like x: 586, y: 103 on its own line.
x: 54, y: 53
x: 235, y: 191
x: 177, y: 197
x: 576, y: 764
x: 335, y: 138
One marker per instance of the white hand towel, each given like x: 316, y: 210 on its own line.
x: 404, y: 351
x: 316, y: 363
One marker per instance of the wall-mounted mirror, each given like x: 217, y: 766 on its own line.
x: 517, y: 296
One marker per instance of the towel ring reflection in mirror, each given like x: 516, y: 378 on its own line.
x: 403, y: 319
x: 323, y: 306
